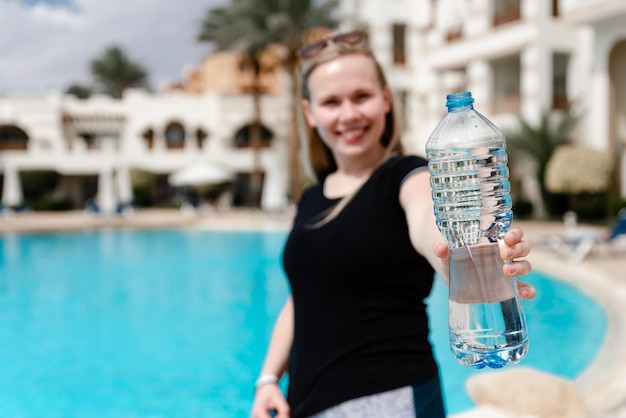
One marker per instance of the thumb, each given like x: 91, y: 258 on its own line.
x: 442, y: 251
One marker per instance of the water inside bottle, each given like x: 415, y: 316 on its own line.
x: 495, y: 337
x: 486, y: 317
x: 471, y: 194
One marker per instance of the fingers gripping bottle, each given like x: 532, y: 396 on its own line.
x: 467, y: 161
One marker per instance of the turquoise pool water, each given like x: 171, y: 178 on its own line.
x: 174, y: 323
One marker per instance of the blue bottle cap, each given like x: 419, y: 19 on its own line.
x: 456, y: 100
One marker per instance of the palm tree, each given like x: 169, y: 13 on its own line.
x: 249, y: 27
x: 114, y: 71
x: 538, y: 142
x: 79, y: 90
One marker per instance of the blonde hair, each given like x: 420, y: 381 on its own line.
x: 319, y: 156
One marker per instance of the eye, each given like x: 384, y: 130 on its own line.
x: 331, y: 101
x: 362, y: 96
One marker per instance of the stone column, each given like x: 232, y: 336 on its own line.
x: 536, y: 80
x: 124, y: 186
x: 597, y: 135
x: 106, y: 197
x: 11, y: 189
x: 159, y: 140
x: 276, y: 180
x: 479, y: 80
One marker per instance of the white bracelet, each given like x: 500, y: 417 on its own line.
x: 265, y: 380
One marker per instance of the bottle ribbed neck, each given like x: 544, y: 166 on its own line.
x: 459, y: 101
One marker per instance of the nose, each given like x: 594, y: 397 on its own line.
x: 348, y: 111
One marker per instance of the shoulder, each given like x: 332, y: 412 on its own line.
x: 311, y: 190
x: 312, y: 193
x: 403, y: 166
x: 311, y: 203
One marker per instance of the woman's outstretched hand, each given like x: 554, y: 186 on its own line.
x: 514, y: 247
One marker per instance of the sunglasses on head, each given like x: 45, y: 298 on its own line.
x: 314, y: 48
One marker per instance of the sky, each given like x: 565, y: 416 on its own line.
x: 48, y: 45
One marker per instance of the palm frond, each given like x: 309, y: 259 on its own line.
x: 113, y: 71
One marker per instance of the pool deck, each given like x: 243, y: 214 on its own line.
x: 602, y: 275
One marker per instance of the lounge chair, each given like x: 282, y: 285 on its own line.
x: 91, y: 206
x: 576, y: 242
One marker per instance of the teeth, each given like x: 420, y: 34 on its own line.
x: 353, y: 133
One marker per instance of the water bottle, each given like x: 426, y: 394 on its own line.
x: 467, y: 162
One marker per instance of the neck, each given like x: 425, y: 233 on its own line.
x: 351, y: 174
x: 362, y: 166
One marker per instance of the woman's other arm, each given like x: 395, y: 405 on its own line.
x: 268, y: 396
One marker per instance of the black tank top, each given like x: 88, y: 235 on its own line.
x: 358, y: 287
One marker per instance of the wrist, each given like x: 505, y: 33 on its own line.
x: 265, y: 379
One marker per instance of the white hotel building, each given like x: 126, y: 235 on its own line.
x: 515, y: 56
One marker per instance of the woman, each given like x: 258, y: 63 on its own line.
x: 361, y: 256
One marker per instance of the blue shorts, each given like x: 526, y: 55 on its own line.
x: 421, y: 401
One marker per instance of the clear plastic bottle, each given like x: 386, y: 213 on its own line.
x: 467, y: 161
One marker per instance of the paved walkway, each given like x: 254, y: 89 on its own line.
x: 602, y: 275
x: 153, y: 218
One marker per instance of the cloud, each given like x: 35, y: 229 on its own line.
x: 48, y: 48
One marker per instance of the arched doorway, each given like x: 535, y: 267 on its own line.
x: 12, y: 138
x: 617, y: 116
x: 243, y: 137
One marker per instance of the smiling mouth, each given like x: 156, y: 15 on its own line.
x: 353, y: 134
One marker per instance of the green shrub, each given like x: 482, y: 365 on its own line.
x: 36, y: 184
x: 50, y: 204
x: 615, y: 205
x: 591, y: 206
x: 522, y: 209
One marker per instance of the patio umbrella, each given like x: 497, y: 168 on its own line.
x: 200, y: 174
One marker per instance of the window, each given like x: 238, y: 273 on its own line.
x: 506, y: 84
x: 506, y: 11
x: 148, y: 137
x: 201, y: 137
x: 175, y: 136
x: 399, y: 43
x: 559, y: 81
x: 555, y: 8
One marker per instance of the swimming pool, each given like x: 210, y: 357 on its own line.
x: 174, y: 323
